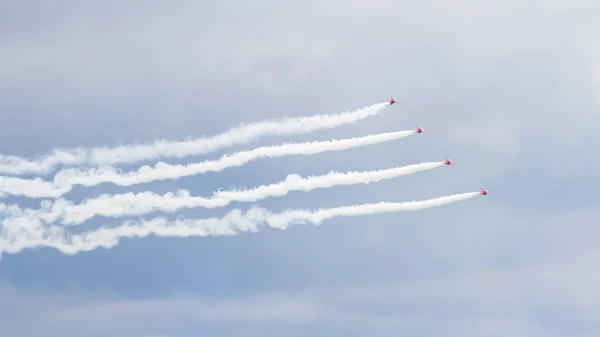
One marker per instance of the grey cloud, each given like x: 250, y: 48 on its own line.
x: 527, y: 65
x: 506, y: 89
x: 516, y: 300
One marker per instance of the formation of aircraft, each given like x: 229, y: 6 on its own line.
x: 446, y: 161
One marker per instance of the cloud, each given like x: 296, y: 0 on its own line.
x: 506, y: 89
x: 545, y: 285
x: 70, y: 312
x: 487, y: 55
x: 81, y: 53
x: 534, y: 299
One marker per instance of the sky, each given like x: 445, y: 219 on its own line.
x: 509, y: 90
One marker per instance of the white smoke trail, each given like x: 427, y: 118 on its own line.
x: 130, y: 154
x: 146, y: 202
x: 65, y: 179
x: 14, y: 238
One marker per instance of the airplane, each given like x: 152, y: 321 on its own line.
x: 448, y: 161
x: 484, y: 191
x: 392, y: 100
x: 419, y: 130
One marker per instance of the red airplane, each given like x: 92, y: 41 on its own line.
x: 484, y: 191
x: 448, y: 161
x: 392, y: 100
x: 419, y: 130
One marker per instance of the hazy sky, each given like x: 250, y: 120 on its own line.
x: 510, y: 90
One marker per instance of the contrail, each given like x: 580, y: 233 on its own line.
x: 65, y: 179
x: 129, y: 154
x: 15, y: 238
x: 129, y: 204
